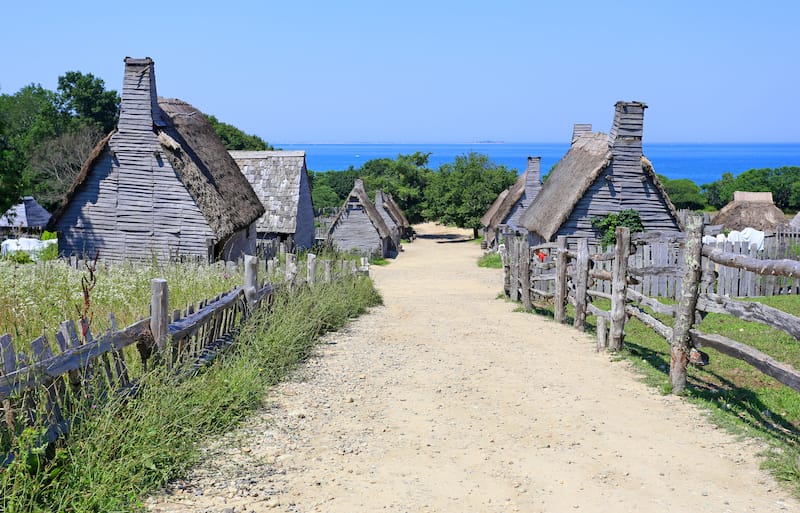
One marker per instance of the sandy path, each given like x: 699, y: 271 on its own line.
x: 446, y: 400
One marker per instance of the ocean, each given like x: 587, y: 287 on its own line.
x: 702, y: 163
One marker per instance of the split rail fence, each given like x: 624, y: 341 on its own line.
x: 557, y: 273
x: 48, y: 388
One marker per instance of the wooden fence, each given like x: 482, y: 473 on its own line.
x: 578, y: 276
x: 47, y: 388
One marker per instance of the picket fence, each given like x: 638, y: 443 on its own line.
x: 49, y: 389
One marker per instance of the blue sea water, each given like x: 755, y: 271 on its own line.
x: 702, y: 163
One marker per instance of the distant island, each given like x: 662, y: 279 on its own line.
x: 489, y: 142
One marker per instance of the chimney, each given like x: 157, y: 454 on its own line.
x: 139, y: 108
x: 579, y: 129
x: 359, y: 184
x: 533, y: 179
x: 625, y: 136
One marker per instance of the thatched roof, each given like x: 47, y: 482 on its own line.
x: 28, y: 214
x: 566, y: 184
x: 360, y: 193
x: 528, y: 184
x: 487, y: 217
x: 207, y: 170
x: 383, y: 209
x: 187, y: 139
x: 394, y: 210
x: 752, y: 210
x: 795, y: 222
x: 276, y: 177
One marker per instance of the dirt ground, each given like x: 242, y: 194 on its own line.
x: 446, y: 400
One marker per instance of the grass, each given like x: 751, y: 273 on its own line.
x: 379, y: 261
x: 125, y: 449
x: 491, y: 260
x: 735, y: 395
x: 35, y: 298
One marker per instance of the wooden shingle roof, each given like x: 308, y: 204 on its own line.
x: 275, y: 176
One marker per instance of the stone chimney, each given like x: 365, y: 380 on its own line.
x: 139, y: 108
x: 625, y: 136
x: 579, y: 129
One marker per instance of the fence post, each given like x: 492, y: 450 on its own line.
x: 684, y: 314
x: 250, y: 279
x: 525, y: 272
x: 159, y: 301
x: 619, y: 286
x: 503, y: 250
x: 514, y: 253
x: 560, y: 296
x: 326, y: 270
x: 311, y: 269
x: 602, y: 334
x: 581, y: 284
x: 291, y: 267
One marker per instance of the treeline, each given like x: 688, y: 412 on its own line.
x: 458, y: 193
x: 45, y: 136
x: 782, y: 182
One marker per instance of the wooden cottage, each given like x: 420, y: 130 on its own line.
x: 358, y: 226
x: 795, y: 222
x: 750, y: 210
x: 161, y: 185
x: 280, y: 180
x: 389, y: 219
x: 601, y: 174
x: 507, y: 209
x: 399, y: 216
x: 28, y: 215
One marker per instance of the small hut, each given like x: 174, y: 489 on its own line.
x: 397, y: 213
x: 599, y: 175
x: 388, y: 217
x: 280, y: 180
x: 359, y: 227
x: 162, y: 185
x: 512, y: 202
x: 795, y: 222
x: 28, y: 215
x: 750, y: 209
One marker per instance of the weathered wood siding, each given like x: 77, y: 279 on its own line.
x: 133, y: 206
x: 354, y: 231
x: 387, y: 218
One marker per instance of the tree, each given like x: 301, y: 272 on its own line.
x: 235, y: 139
x: 459, y: 193
x: 720, y: 193
x: 683, y: 193
x: 84, y: 97
x: 323, y: 196
x: 405, y: 178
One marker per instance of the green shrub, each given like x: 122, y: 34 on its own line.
x: 607, y: 225
x: 492, y: 260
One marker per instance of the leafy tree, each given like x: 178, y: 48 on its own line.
x: 84, y: 97
x: 405, y: 178
x: 323, y: 195
x: 720, y: 193
x: 235, y: 139
x: 683, y: 193
x: 459, y: 193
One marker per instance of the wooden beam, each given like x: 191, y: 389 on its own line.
x: 650, y: 321
x: 560, y: 296
x: 750, y: 311
x: 581, y: 284
x: 784, y: 267
x: 783, y: 372
x: 619, y: 285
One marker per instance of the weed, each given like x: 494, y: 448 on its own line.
x: 491, y: 260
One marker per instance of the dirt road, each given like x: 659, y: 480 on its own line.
x: 447, y: 400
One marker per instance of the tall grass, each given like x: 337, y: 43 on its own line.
x: 35, y: 298
x: 128, y: 448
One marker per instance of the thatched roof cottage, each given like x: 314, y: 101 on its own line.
x: 280, y: 179
x: 399, y: 216
x: 601, y: 174
x: 750, y: 209
x: 391, y: 222
x: 28, y: 214
x: 507, y: 209
x: 161, y: 185
x: 359, y: 227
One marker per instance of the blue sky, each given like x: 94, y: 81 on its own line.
x: 435, y: 71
